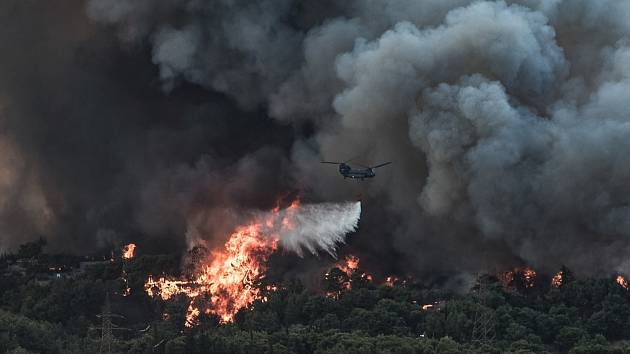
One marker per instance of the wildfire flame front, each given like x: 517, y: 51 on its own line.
x: 228, y: 280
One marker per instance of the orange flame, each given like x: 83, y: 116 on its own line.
x: 349, y: 265
x: 621, y: 280
x: 529, y: 276
x: 556, y: 281
x: 229, y: 280
x: 127, y: 289
x: 129, y: 251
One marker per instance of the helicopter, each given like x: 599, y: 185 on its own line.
x: 356, y: 173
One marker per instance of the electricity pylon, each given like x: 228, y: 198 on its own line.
x: 483, y: 322
x: 107, y: 327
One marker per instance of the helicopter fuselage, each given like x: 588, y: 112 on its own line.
x: 356, y: 173
x: 361, y: 173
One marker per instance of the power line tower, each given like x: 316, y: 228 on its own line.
x: 483, y: 322
x: 107, y: 327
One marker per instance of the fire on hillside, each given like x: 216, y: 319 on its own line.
x: 229, y: 278
x: 231, y: 275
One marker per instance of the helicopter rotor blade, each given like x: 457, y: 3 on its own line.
x: 381, y: 165
x: 331, y: 162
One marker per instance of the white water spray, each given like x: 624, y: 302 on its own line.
x: 318, y: 227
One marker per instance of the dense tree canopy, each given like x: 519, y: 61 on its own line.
x: 60, y: 315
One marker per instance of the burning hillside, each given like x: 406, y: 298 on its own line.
x: 228, y: 279
x: 346, y: 273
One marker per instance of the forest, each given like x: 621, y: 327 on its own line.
x: 46, y: 308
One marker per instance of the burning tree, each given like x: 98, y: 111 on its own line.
x: 129, y: 251
x: 344, y: 275
x: 229, y: 278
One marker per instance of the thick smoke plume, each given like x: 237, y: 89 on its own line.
x: 507, y: 122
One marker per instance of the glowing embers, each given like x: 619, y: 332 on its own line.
x: 128, y: 252
x: 518, y: 278
x: 529, y: 277
x: 557, y: 279
x: 344, y: 275
x: 392, y: 281
x: 621, y: 280
x: 126, y: 289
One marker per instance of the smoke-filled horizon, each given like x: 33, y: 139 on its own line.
x: 506, y: 121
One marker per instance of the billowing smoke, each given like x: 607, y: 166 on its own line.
x: 506, y: 121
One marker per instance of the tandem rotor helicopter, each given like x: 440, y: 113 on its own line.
x: 356, y: 173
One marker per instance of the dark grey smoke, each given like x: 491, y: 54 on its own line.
x: 506, y: 120
x: 95, y: 154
